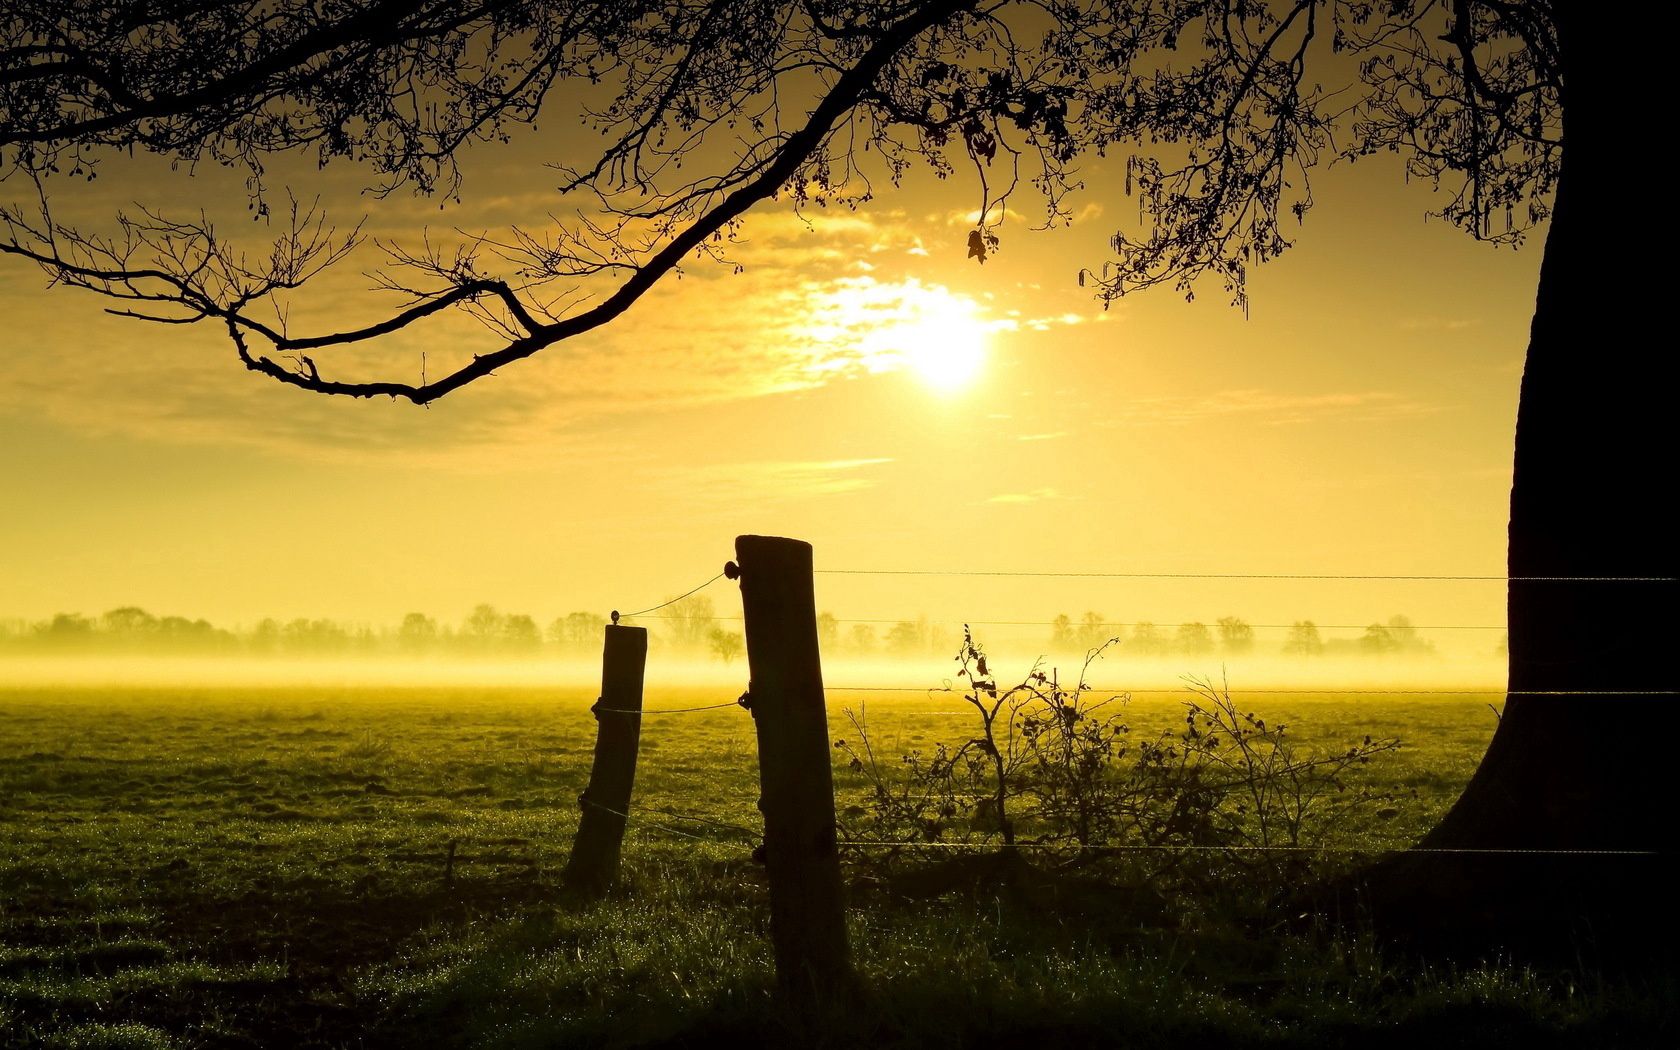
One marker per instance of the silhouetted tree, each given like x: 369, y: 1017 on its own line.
x: 129, y: 621
x: 578, y: 631
x: 418, y: 632
x: 1405, y: 636
x: 265, y: 636
x: 1193, y: 639
x: 828, y: 632
x: 184, y: 635
x: 905, y: 638
x: 488, y: 630
x: 1377, y: 641
x: 65, y: 629
x: 1398, y: 635
x: 1092, y: 632
x: 863, y: 639
x: 1517, y: 109
x: 1147, y: 640
x: 1303, y: 640
x: 1061, y: 632
x: 557, y: 635
x: 690, y: 622
x: 1235, y: 636
x: 306, y: 636
x: 483, y: 626
x: 519, y: 633
x: 727, y: 645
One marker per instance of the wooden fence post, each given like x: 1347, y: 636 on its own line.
x: 605, y: 803
x: 807, y: 916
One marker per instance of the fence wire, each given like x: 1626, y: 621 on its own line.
x: 641, y: 813
x: 757, y: 835
x: 1243, y: 576
x: 1137, y: 623
x: 1142, y: 847
x: 663, y: 710
x: 1282, y: 691
x: 616, y: 615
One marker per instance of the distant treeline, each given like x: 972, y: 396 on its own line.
x: 1232, y: 636
x: 484, y: 630
x: 1229, y: 636
x: 688, y: 626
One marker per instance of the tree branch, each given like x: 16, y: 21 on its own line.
x: 792, y: 154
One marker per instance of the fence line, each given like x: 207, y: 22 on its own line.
x: 665, y: 816
x: 1136, y: 847
x: 1043, y: 574
x: 1289, y: 692
x: 1164, y: 691
x: 1242, y: 576
x: 1141, y: 847
x: 1138, y: 623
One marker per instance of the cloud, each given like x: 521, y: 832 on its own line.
x: 970, y: 217
x: 1066, y: 319
x: 1042, y: 437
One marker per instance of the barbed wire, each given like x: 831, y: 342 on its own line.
x: 1270, y: 690
x: 1120, y: 848
x: 1140, y: 847
x: 753, y: 834
x: 1244, y: 576
x: 663, y: 710
x: 1047, y: 574
x: 585, y: 800
x: 640, y: 813
x: 654, y: 608
x: 1137, y: 623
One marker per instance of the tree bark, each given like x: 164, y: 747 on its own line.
x: 1577, y: 763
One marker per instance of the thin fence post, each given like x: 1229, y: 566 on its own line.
x: 785, y: 696
x: 605, y: 803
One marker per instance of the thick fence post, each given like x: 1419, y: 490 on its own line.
x: 807, y: 917
x: 593, y: 865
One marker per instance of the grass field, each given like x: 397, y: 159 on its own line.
x: 267, y: 867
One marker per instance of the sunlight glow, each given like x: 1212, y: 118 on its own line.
x: 872, y: 326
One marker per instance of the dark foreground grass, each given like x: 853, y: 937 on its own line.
x: 270, y: 868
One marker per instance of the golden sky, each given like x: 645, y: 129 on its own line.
x: 861, y: 385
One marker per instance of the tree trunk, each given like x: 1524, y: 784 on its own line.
x: 1577, y: 763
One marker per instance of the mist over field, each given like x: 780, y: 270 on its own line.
x: 690, y: 647
x: 1110, y: 674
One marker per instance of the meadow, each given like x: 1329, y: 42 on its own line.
x: 362, y: 866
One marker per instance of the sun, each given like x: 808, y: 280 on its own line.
x: 864, y: 325
x: 944, y: 343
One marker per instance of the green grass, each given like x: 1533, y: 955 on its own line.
x: 265, y: 867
